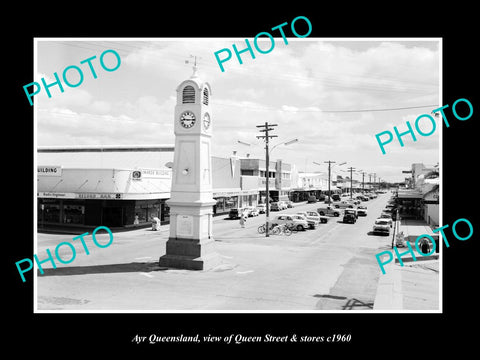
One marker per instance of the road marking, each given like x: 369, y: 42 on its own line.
x: 146, y: 274
x: 244, y: 272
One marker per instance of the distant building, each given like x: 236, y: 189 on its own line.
x: 421, y: 199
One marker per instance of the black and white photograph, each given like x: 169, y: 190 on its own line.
x: 233, y: 180
x: 169, y: 153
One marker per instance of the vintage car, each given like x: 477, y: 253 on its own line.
x: 261, y: 208
x: 362, y: 210
x: 328, y: 210
x: 274, y: 206
x: 251, y: 211
x: 350, y: 216
x: 299, y: 222
x: 343, y: 204
x: 381, y: 226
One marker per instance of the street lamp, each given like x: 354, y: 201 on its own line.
x: 329, y: 162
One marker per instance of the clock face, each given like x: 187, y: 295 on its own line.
x: 206, y: 120
x: 187, y: 119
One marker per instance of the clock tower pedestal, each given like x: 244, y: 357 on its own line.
x: 190, y: 244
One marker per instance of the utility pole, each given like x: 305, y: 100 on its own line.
x: 374, y: 180
x: 351, y: 170
x: 363, y: 181
x: 329, y: 172
x: 266, y: 128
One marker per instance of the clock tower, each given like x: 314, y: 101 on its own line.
x: 191, y: 244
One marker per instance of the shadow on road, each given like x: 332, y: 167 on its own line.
x: 103, y: 269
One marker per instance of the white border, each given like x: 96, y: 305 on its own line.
x: 343, y: 312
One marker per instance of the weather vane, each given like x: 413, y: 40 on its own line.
x: 195, y: 68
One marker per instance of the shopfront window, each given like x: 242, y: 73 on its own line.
x: 51, y: 213
x: 73, y: 214
x: 231, y: 203
x: 144, y: 209
x: 219, y: 207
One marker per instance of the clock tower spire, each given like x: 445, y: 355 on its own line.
x: 191, y: 244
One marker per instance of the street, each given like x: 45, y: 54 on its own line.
x: 332, y: 267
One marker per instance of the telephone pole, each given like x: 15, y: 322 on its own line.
x: 266, y: 128
x: 351, y: 170
x: 329, y: 168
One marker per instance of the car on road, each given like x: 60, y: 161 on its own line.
x: 289, y: 204
x: 274, y: 206
x: 292, y: 220
x: 362, y: 210
x: 343, y: 204
x: 335, y: 197
x: 261, y: 208
x: 387, y: 216
x: 349, y: 216
x: 283, y: 205
x: 312, y: 199
x: 381, y: 226
x: 312, y: 220
x: 235, y: 213
x: 328, y: 210
x: 372, y: 196
x: 251, y: 211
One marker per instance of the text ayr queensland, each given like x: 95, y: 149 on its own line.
x: 410, y: 131
x: 71, y: 70
x: 57, y: 255
x: 255, y: 42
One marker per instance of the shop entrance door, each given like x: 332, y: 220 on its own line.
x: 112, y: 216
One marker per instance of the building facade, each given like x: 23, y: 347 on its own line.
x: 93, y: 186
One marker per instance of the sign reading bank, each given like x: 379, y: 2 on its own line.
x: 49, y: 171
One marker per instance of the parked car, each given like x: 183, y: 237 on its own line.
x: 387, y: 216
x: 282, y: 205
x: 335, y: 197
x: 251, y: 211
x: 297, y: 221
x: 349, y: 216
x: 312, y: 199
x: 343, y: 204
x: 372, y: 196
x: 328, y: 210
x: 381, y: 226
x: 274, y: 206
x: 289, y: 204
x: 313, y: 218
x: 361, y: 210
x: 321, y: 197
x: 235, y: 213
x: 261, y: 208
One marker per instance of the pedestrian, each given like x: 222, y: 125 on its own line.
x: 135, y: 221
x: 243, y: 220
x: 424, y: 246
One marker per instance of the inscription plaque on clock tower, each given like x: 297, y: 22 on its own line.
x: 190, y: 244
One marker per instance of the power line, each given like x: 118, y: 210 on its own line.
x: 266, y: 108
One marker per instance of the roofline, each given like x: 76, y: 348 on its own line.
x: 105, y: 148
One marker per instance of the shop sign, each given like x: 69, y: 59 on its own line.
x: 153, y: 173
x: 98, y: 196
x: 45, y: 194
x: 49, y: 170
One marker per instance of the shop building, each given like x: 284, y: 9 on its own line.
x: 312, y: 184
x: 254, y: 177
x: 120, y: 186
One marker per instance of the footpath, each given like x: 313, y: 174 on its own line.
x: 414, y: 286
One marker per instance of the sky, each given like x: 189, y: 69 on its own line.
x: 333, y: 95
